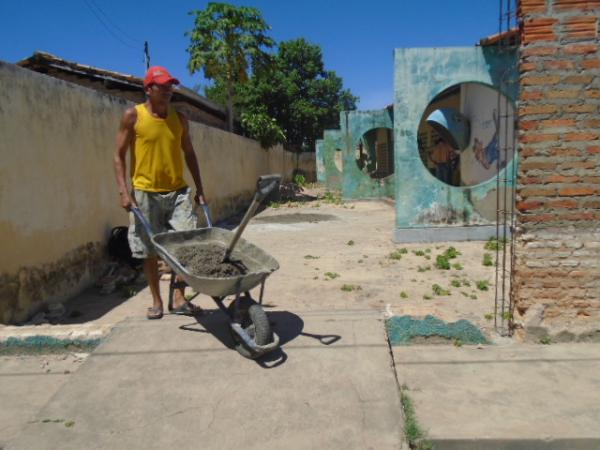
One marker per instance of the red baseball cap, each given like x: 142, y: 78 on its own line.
x: 159, y: 75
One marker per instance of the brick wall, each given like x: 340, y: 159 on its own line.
x: 556, y: 288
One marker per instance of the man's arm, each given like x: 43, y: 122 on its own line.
x: 124, y: 139
x: 191, y: 160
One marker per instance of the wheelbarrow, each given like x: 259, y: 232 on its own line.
x: 248, y: 322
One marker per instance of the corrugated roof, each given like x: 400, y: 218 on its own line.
x: 40, y: 61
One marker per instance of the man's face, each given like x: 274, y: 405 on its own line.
x: 160, y: 92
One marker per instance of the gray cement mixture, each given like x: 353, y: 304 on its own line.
x: 207, y: 261
x: 295, y: 218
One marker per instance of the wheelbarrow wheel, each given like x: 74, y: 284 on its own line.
x: 255, y: 321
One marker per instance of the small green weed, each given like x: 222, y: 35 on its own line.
x: 70, y: 423
x: 299, y: 179
x: 507, y: 315
x: 482, y: 285
x: 351, y: 287
x: 274, y: 205
x: 473, y: 297
x: 488, y: 260
x: 438, y: 290
x: 458, y: 343
x: 414, y: 434
x: 452, y: 253
x: 334, y: 198
x: 466, y: 294
x: 466, y: 283
x: 403, y: 294
x: 311, y: 257
x: 427, y: 297
x: 423, y: 269
x: 494, y: 244
x: 457, y: 266
x: 331, y: 275
x: 546, y: 340
x: 427, y: 250
x: 441, y: 262
x: 455, y: 283
x: 488, y: 316
x: 418, y: 252
x: 395, y: 255
x: 350, y: 242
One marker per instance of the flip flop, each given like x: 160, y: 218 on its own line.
x: 187, y: 309
x: 154, y: 313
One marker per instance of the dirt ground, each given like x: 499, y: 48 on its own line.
x: 341, y: 256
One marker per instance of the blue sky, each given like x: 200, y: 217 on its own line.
x: 357, y: 37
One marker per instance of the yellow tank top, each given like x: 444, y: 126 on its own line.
x: 157, y: 157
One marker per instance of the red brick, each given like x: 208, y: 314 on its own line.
x: 538, y: 29
x: 591, y: 180
x: 557, y: 123
x: 555, y: 178
x: 576, y: 216
x: 537, y: 192
x: 538, y: 218
x: 558, y: 64
x: 590, y: 63
x: 532, y: 165
x: 540, y: 80
x: 539, y: 138
x: 579, y: 108
x: 580, y: 49
x: 528, y: 152
x: 578, y: 79
x: 593, y: 123
x: 539, y: 51
x: 531, y: 95
x: 563, y: 203
x: 592, y: 93
x: 530, y: 180
x: 527, y: 66
x: 537, y: 109
x: 565, y: 152
x: 531, y: 6
x: 580, y: 136
x: 594, y: 149
x: 591, y: 204
x: 563, y: 93
x: 529, y: 205
x: 582, y: 27
x: 575, y: 191
x: 576, y: 5
x: 578, y: 165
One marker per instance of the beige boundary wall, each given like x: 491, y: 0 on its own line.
x: 58, y: 197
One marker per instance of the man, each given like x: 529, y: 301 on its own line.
x: 159, y: 139
x: 443, y: 155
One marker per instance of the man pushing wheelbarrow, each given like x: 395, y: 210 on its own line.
x: 159, y: 139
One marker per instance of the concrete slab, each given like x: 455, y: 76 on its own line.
x: 175, y: 383
x: 505, y: 397
x: 27, y: 382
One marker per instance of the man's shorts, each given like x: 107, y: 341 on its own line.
x: 166, y: 211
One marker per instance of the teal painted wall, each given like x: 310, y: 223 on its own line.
x: 320, y: 161
x: 355, y: 183
x: 332, y: 142
x: 419, y: 75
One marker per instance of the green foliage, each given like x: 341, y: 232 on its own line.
x: 396, y: 255
x: 418, y: 252
x: 458, y: 343
x: 299, y: 179
x: 488, y: 260
x: 482, y: 285
x: 546, y: 340
x: 350, y: 242
x: 452, y: 253
x: 455, y: 283
x: 331, y: 275
x: 507, y: 315
x: 488, y: 316
x: 473, y: 297
x: 262, y: 127
x: 311, y: 257
x: 274, y: 205
x: 334, y: 198
x: 457, y: 266
x: 351, y: 287
x: 227, y: 42
x: 495, y: 244
x: 403, y: 294
x: 438, y: 290
x: 423, y: 269
x: 427, y: 297
x: 415, y: 436
x: 441, y: 262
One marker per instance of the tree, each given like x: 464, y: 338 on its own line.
x: 227, y: 42
x: 297, y: 91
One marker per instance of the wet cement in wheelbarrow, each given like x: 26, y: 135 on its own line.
x: 207, y: 261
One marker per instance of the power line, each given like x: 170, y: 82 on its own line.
x: 114, y: 25
x: 105, y: 25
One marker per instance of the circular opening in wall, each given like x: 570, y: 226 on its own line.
x: 374, y: 152
x: 337, y: 159
x: 466, y: 134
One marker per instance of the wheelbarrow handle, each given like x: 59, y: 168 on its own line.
x: 145, y: 224
x: 265, y: 184
x: 207, y: 215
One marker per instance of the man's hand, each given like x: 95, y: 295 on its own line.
x: 127, y: 202
x: 199, y: 199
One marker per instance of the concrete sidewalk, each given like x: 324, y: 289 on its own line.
x: 175, y: 383
x: 505, y: 397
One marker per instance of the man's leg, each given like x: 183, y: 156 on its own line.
x: 151, y: 274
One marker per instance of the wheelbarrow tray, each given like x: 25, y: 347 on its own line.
x: 260, y: 264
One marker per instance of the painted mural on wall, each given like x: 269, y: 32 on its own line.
x: 492, y: 137
x: 422, y: 200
